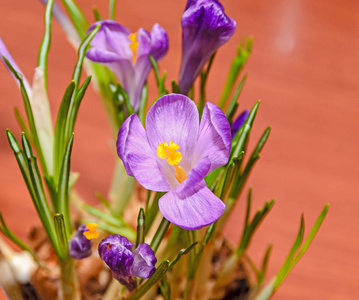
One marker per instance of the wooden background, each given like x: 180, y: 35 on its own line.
x: 304, y: 68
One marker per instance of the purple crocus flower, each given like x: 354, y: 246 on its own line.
x: 239, y: 122
x: 174, y: 156
x: 116, y: 251
x: 205, y: 27
x: 80, y: 245
x: 126, y: 54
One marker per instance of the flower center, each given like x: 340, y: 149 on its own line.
x: 91, y: 233
x: 133, y: 45
x: 169, y: 151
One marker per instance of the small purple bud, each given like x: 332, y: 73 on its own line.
x: 125, y: 264
x: 239, y: 122
x: 79, y: 245
x: 205, y: 27
x: 145, y: 261
x: 116, y: 252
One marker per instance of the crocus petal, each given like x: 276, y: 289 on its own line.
x: 174, y: 118
x: 239, y: 122
x: 205, y: 27
x: 138, y: 157
x: 196, y: 208
x: 195, y: 176
x: 214, y: 138
x: 144, y: 261
x: 116, y: 252
x: 160, y: 43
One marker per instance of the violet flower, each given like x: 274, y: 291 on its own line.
x: 116, y: 251
x: 80, y: 245
x: 126, y: 54
x: 174, y: 156
x: 237, y: 124
x: 205, y: 27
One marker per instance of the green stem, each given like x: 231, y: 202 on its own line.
x: 69, y: 284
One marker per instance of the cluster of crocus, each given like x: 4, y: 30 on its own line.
x: 175, y: 154
x: 80, y: 245
x: 205, y: 28
x: 127, y: 54
x: 125, y: 264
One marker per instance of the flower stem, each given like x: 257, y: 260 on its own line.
x: 69, y: 283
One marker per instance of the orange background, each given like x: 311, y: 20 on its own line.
x: 304, y: 68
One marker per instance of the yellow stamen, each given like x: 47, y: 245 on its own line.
x: 169, y: 151
x: 133, y: 45
x: 91, y: 233
x: 180, y: 174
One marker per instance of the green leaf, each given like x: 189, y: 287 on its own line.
x: 293, y: 258
x: 77, y: 17
x: 46, y: 40
x: 59, y: 146
x: 160, y: 233
x: 234, y: 102
x: 165, y: 288
x: 40, y: 203
x: 175, y: 87
x: 96, y: 13
x: 102, y: 215
x: 204, y: 77
x: 159, y: 80
x: 157, y: 276
x: 50, y: 184
x: 112, y: 9
x: 20, y: 120
x: 108, y: 205
x: 152, y: 211
x: 143, y: 105
x: 29, y: 115
x: 243, y: 52
x: 61, y: 230
x: 182, y: 252
x: 11, y: 236
x: 239, y: 141
x: 63, y: 190
x: 140, y: 227
x: 76, y: 76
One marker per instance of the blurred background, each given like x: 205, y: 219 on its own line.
x: 304, y: 67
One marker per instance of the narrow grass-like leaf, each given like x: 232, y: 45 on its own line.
x: 112, y: 9
x: 140, y: 227
x: 160, y: 233
x: 59, y: 146
x: 203, y: 84
x: 239, y: 141
x: 29, y: 115
x: 234, y: 102
x: 175, y: 87
x: 264, y: 266
x: 96, y: 13
x: 165, y: 288
x: 102, y: 215
x: 107, y: 205
x: 49, y: 181
x: 77, y: 17
x: 74, y: 104
x: 46, y: 41
x: 243, y: 52
x: 20, y: 120
x: 157, y: 276
x: 143, y: 105
x: 10, y: 235
x: 41, y: 204
x: 152, y: 211
x: 242, y: 178
x: 293, y: 258
x: 182, y: 252
x: 63, y: 190
x: 61, y: 230
x: 22, y: 162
